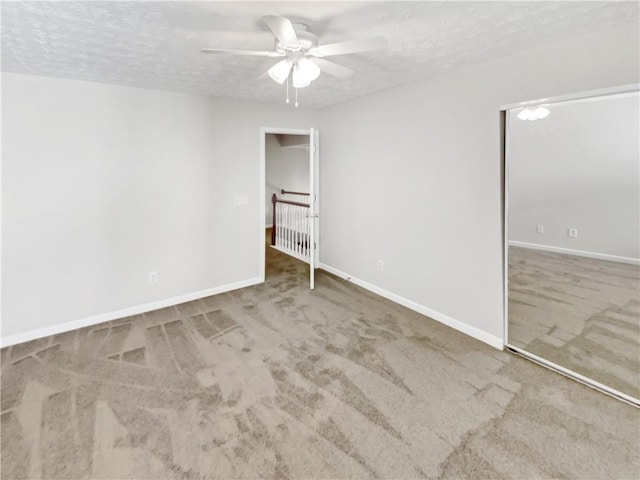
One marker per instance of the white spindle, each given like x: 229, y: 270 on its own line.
x: 281, y: 223
x: 298, y: 230
x: 284, y: 223
x: 289, y: 229
x: 277, y: 225
x: 303, y: 221
x: 301, y: 230
x: 293, y: 227
x: 308, y: 233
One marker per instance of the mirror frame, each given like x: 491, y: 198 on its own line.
x: 504, y: 128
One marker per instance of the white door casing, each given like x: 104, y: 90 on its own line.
x: 312, y: 217
x: 313, y: 179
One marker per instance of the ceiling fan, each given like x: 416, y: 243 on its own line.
x: 302, y: 54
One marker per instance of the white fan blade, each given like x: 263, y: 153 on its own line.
x: 282, y: 29
x: 350, y: 46
x: 333, y: 69
x: 253, y: 53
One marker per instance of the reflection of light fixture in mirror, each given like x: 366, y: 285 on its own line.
x: 533, y: 113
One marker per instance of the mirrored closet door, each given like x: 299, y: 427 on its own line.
x: 573, y: 237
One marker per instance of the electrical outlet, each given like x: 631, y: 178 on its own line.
x: 380, y: 265
x: 573, y: 232
x: 153, y: 277
x: 540, y: 228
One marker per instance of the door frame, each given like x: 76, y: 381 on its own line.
x: 314, y: 173
x: 263, y: 180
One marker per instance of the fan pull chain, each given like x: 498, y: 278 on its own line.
x: 296, y: 98
x: 287, y: 101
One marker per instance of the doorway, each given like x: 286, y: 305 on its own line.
x: 289, y: 201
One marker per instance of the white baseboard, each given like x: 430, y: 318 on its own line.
x: 474, y: 332
x: 127, y: 312
x: 578, y: 253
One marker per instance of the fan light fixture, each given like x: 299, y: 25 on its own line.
x: 295, y: 43
x: 532, y: 114
x: 301, y: 70
x: 280, y: 71
x: 304, y: 72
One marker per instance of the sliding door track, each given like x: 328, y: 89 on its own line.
x: 612, y: 392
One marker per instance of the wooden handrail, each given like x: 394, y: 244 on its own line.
x: 284, y: 192
x: 288, y: 202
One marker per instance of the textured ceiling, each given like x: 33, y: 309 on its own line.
x: 156, y: 44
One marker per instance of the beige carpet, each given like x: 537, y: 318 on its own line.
x: 581, y: 313
x: 276, y: 381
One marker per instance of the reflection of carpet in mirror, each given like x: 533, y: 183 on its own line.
x: 581, y: 313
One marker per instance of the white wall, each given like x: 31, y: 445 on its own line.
x: 287, y: 167
x: 578, y: 168
x: 102, y: 184
x: 412, y: 175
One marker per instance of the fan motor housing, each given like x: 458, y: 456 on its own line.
x: 306, y: 40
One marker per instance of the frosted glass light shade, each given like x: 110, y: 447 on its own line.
x: 305, y: 72
x: 280, y: 71
x: 298, y: 80
x: 533, y: 113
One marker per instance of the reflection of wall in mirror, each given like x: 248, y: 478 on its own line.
x: 579, y: 168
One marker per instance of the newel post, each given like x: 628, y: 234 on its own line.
x: 274, y: 200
